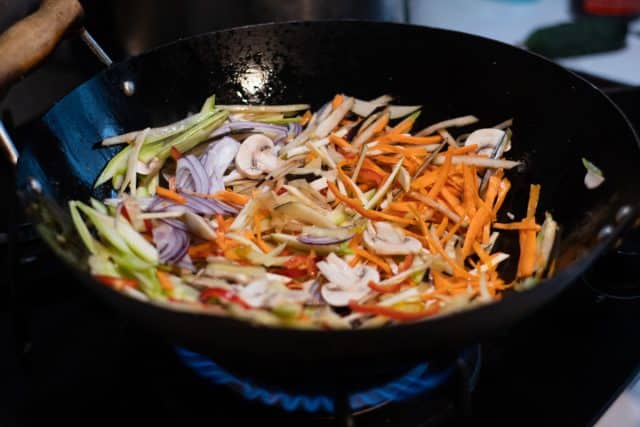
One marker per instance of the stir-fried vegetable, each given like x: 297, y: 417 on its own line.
x: 281, y: 215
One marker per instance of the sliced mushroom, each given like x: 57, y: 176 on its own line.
x: 199, y: 226
x: 486, y: 139
x: 345, y: 283
x: 255, y: 157
x: 387, y: 239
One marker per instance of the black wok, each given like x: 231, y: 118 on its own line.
x: 558, y: 119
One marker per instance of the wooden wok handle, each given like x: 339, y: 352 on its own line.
x: 28, y: 42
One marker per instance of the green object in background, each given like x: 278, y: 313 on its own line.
x: 585, y: 35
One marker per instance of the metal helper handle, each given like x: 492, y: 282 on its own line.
x: 27, y: 43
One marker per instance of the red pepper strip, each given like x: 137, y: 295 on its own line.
x: 385, y: 289
x: 222, y: 294
x: 116, y: 282
x: 293, y: 273
x: 175, y: 153
x: 148, y: 225
x: 125, y: 213
x: 392, y: 313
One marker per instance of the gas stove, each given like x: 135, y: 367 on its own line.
x: 70, y: 359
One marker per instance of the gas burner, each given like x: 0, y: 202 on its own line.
x: 418, y: 382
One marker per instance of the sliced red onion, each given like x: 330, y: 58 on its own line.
x: 172, y: 243
x: 204, y: 206
x: 323, y: 240
x: 198, y: 180
x: 217, y: 160
x: 295, y: 129
x: 175, y: 223
x: 186, y: 263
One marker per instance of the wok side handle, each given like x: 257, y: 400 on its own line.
x: 28, y: 42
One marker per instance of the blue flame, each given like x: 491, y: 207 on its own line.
x: 418, y: 381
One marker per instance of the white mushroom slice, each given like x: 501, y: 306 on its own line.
x: 199, y: 226
x: 486, y: 139
x: 255, y: 156
x: 345, y: 283
x: 386, y: 239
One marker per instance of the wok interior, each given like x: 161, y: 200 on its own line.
x: 558, y: 118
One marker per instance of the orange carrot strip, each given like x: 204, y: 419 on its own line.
x: 452, y: 232
x: 527, y: 260
x: 355, y: 205
x: 486, y: 233
x: 452, y: 201
x: 443, y: 174
x: 442, y: 226
x: 373, y: 258
x: 534, y: 196
x: 505, y: 185
x: 340, y: 142
x: 337, y: 101
x: 438, y: 248
x: 475, y: 228
x: 403, y: 126
x: 381, y: 123
x: 164, y: 280
x: 464, y: 150
x: 231, y: 197
x: 408, y: 139
x: 354, y: 261
x: 165, y: 193
x: 522, y: 225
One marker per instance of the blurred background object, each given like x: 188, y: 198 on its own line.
x: 129, y: 27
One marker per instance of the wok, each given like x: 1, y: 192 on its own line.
x: 558, y: 119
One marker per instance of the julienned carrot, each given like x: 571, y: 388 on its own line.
x: 201, y: 251
x: 475, y: 228
x: 527, y: 260
x: 435, y: 246
x: 340, y: 142
x: 373, y: 258
x: 165, y: 193
x: 442, y: 226
x: 231, y: 197
x: 367, y: 163
x: 472, y: 148
x: 452, y: 201
x: 505, y: 185
x: 443, y: 174
x: 356, y: 206
x: 381, y: 123
x: 484, y: 256
x: 452, y: 232
x: 397, y: 149
x: 164, y: 280
x: 337, y: 101
x: 405, y: 125
x: 522, y: 225
x: 534, y: 196
x: 408, y: 139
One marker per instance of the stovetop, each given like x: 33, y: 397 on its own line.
x: 68, y: 358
